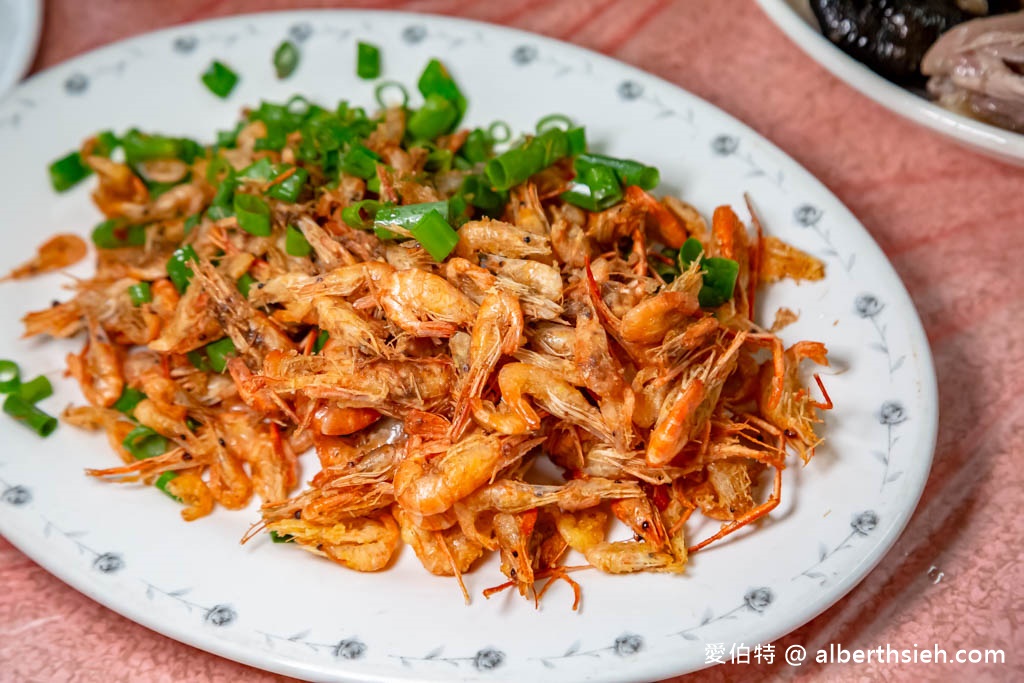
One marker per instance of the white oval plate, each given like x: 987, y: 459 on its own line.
x: 795, y: 19
x: 20, y: 24
x: 274, y: 607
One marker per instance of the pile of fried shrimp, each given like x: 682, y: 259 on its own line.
x: 430, y: 389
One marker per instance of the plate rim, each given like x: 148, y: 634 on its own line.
x: 26, y: 44
x: 272, y: 661
x: 994, y: 142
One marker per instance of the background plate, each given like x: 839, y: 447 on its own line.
x: 795, y: 19
x: 20, y: 24
x: 279, y: 609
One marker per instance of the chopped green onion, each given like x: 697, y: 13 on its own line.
x: 198, y: 360
x: 229, y: 138
x: 479, y: 194
x: 140, y: 293
x: 367, y: 60
x: 347, y: 112
x: 27, y: 414
x: 478, y: 146
x: 245, y: 283
x: 668, y: 271
x: 10, y: 376
x: 112, y: 234
x: 405, y: 216
x: 298, y: 106
x: 219, y: 352
x: 436, y: 235
x: 321, y: 341
x: 380, y: 90
x: 220, y: 79
x: 689, y: 252
x: 274, y: 140
x: 435, y: 117
x: 518, y: 164
x: 330, y: 165
x: 577, y: 140
x: 177, y: 267
x: 192, y: 424
x: 265, y: 172
x: 261, y: 170
x: 35, y: 389
x: 139, y: 147
x: 191, y: 222
x: 253, y: 214
x: 550, y: 121
x: 361, y: 214
x: 222, y: 205
x: 628, y: 171
x: 435, y: 80
x: 106, y: 143
x: 128, y: 400
x: 143, y: 443
x: 360, y: 161
x: 163, y: 480
x: 439, y: 159
x: 286, y: 59
x: 286, y: 117
x: 719, y: 274
x: 373, y: 184
x: 327, y: 132
x: 499, y: 131
x: 68, y: 171
x: 289, y: 189
x: 596, y: 190
x: 219, y: 170
x: 281, y: 538
x: 295, y: 243
x: 719, y: 281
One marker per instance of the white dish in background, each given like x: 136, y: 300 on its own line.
x: 20, y: 24
x: 795, y: 19
x: 280, y: 609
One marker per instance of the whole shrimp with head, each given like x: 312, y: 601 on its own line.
x: 490, y: 348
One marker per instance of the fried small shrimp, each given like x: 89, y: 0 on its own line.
x: 424, y: 304
x: 429, y: 486
x: 502, y: 379
x: 194, y: 493
x: 60, y: 251
x: 501, y: 239
x: 98, y: 368
x: 496, y: 332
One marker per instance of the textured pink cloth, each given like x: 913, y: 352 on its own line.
x: 949, y: 220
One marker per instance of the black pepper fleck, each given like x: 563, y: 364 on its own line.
x: 186, y: 456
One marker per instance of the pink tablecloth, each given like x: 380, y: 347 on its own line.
x: 951, y: 221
